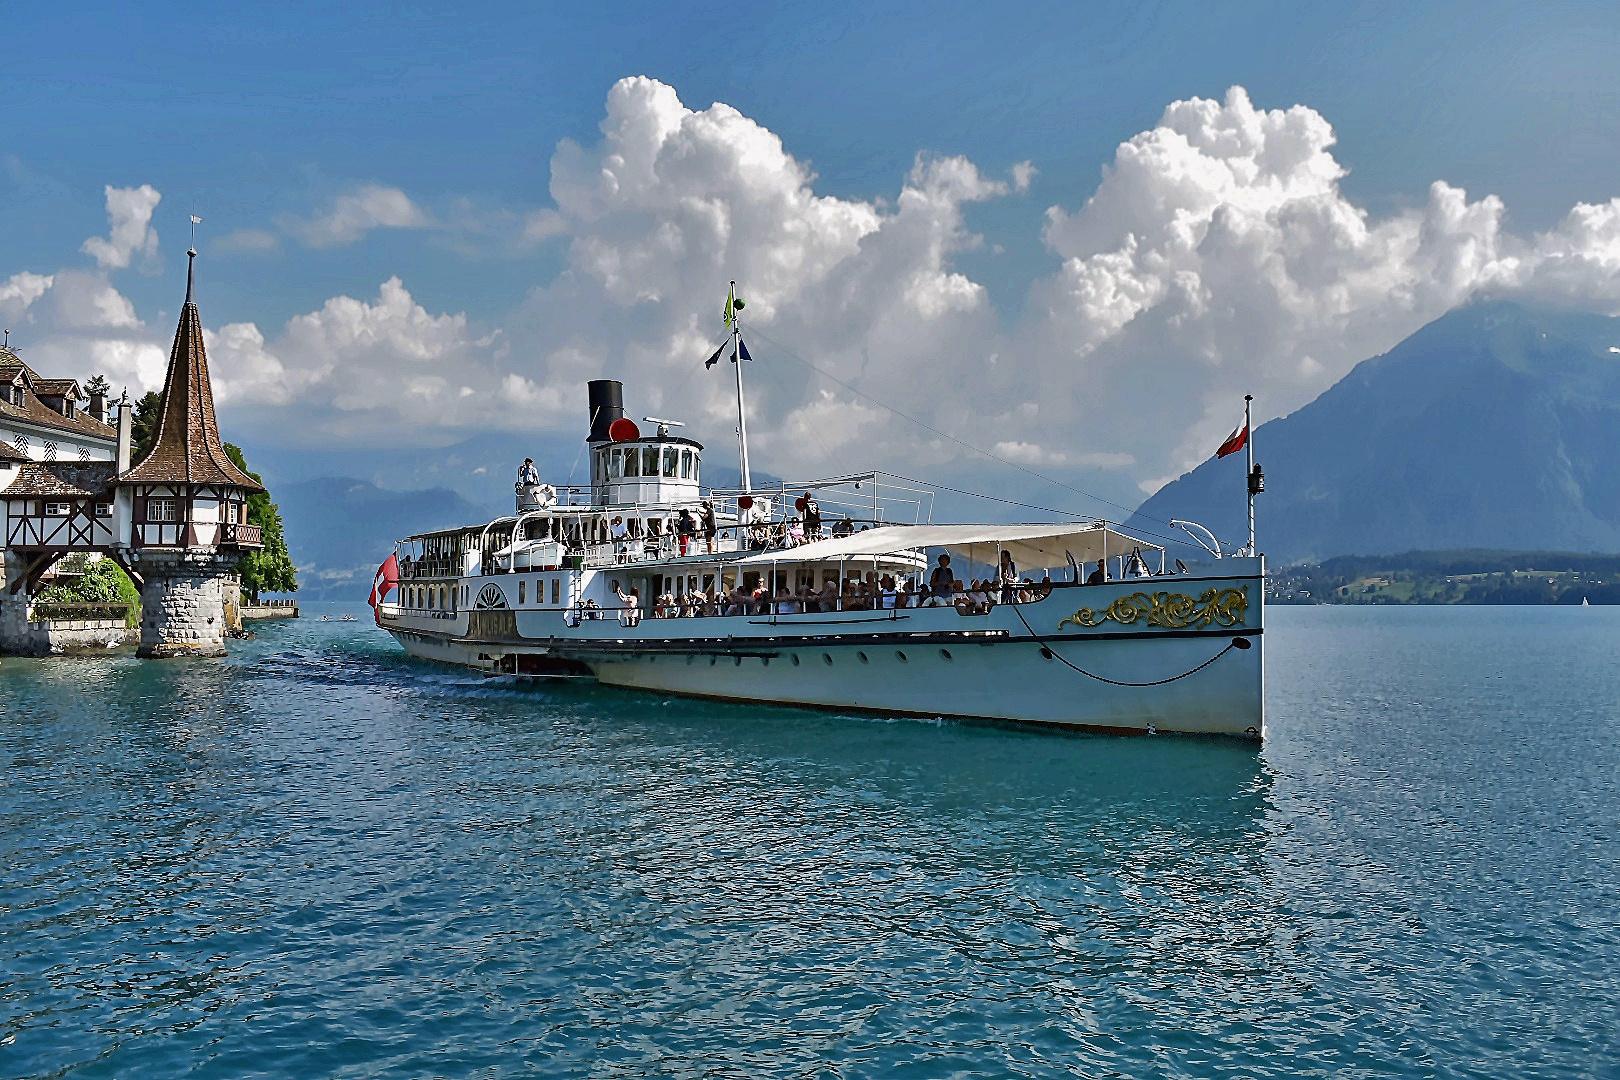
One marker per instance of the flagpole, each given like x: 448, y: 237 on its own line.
x: 1248, y: 480
x: 742, y: 412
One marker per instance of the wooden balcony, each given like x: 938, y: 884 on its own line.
x: 233, y: 535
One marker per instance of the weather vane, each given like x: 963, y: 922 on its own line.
x: 195, y: 221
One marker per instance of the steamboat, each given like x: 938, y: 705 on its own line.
x: 839, y: 592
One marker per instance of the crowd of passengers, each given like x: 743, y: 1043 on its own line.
x: 687, y: 530
x: 873, y: 593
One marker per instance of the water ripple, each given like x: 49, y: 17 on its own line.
x: 322, y: 858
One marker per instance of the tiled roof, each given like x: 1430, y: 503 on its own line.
x: 58, y: 388
x: 188, y: 449
x: 35, y: 411
x: 63, y: 479
x: 11, y: 453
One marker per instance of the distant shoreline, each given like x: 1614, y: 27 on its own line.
x: 1452, y: 577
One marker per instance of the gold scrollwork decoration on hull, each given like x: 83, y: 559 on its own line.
x: 1172, y: 611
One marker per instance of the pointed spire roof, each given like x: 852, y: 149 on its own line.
x: 188, y: 449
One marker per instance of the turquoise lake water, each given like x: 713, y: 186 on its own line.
x: 321, y: 859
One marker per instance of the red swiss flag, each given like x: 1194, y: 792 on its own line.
x: 1235, y: 441
x: 386, y: 580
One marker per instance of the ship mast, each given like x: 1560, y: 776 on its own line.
x: 742, y: 412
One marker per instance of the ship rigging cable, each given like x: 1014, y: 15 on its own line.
x: 943, y: 434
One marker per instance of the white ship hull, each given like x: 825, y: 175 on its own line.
x: 1179, y: 653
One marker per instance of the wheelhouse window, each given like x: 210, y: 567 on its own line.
x: 649, y: 461
x: 672, y: 461
x: 686, y: 464
x: 615, y: 464
x: 163, y: 511
x: 632, y: 462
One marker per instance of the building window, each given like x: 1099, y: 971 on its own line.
x: 58, y: 509
x: 50, y: 450
x: 162, y: 510
x: 103, y: 509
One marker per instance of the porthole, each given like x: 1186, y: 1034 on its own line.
x: 900, y: 656
x: 946, y: 653
x: 795, y: 659
x: 827, y: 657
x: 864, y: 660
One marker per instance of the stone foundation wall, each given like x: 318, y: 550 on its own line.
x: 183, y: 602
x: 20, y: 636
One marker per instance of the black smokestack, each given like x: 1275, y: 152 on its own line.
x: 607, y: 405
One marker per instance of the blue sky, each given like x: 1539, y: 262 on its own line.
x: 267, y: 116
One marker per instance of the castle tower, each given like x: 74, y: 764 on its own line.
x: 188, y: 508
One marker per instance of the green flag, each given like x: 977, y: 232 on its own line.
x: 733, y: 305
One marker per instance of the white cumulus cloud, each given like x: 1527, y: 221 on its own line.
x: 355, y: 213
x: 129, y: 214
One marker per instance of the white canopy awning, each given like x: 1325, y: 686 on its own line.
x: 1031, y: 545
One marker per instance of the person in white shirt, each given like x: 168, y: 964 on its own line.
x: 528, y: 475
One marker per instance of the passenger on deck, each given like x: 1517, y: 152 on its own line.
x: 942, y: 583
x: 1098, y: 576
x: 888, y: 595
x: 844, y: 528
x: 812, y: 518
x: 1008, y: 577
x: 739, y: 601
x: 684, y: 528
x: 785, y: 603
x: 829, y: 595
x: 709, y: 527
x: 528, y: 475
x: 621, y: 538
x: 631, y: 603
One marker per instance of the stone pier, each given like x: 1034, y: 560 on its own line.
x: 183, y: 602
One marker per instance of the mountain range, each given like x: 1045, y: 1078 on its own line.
x: 1495, y: 426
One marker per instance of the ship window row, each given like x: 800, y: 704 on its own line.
x: 443, y: 597
x: 672, y: 462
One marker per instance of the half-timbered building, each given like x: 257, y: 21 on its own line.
x: 188, y: 524
x: 176, y: 521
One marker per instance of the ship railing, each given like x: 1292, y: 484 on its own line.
x: 873, y: 498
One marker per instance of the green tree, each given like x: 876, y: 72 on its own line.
x: 99, y: 582
x: 145, y: 427
x: 269, y: 569
x: 98, y: 385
